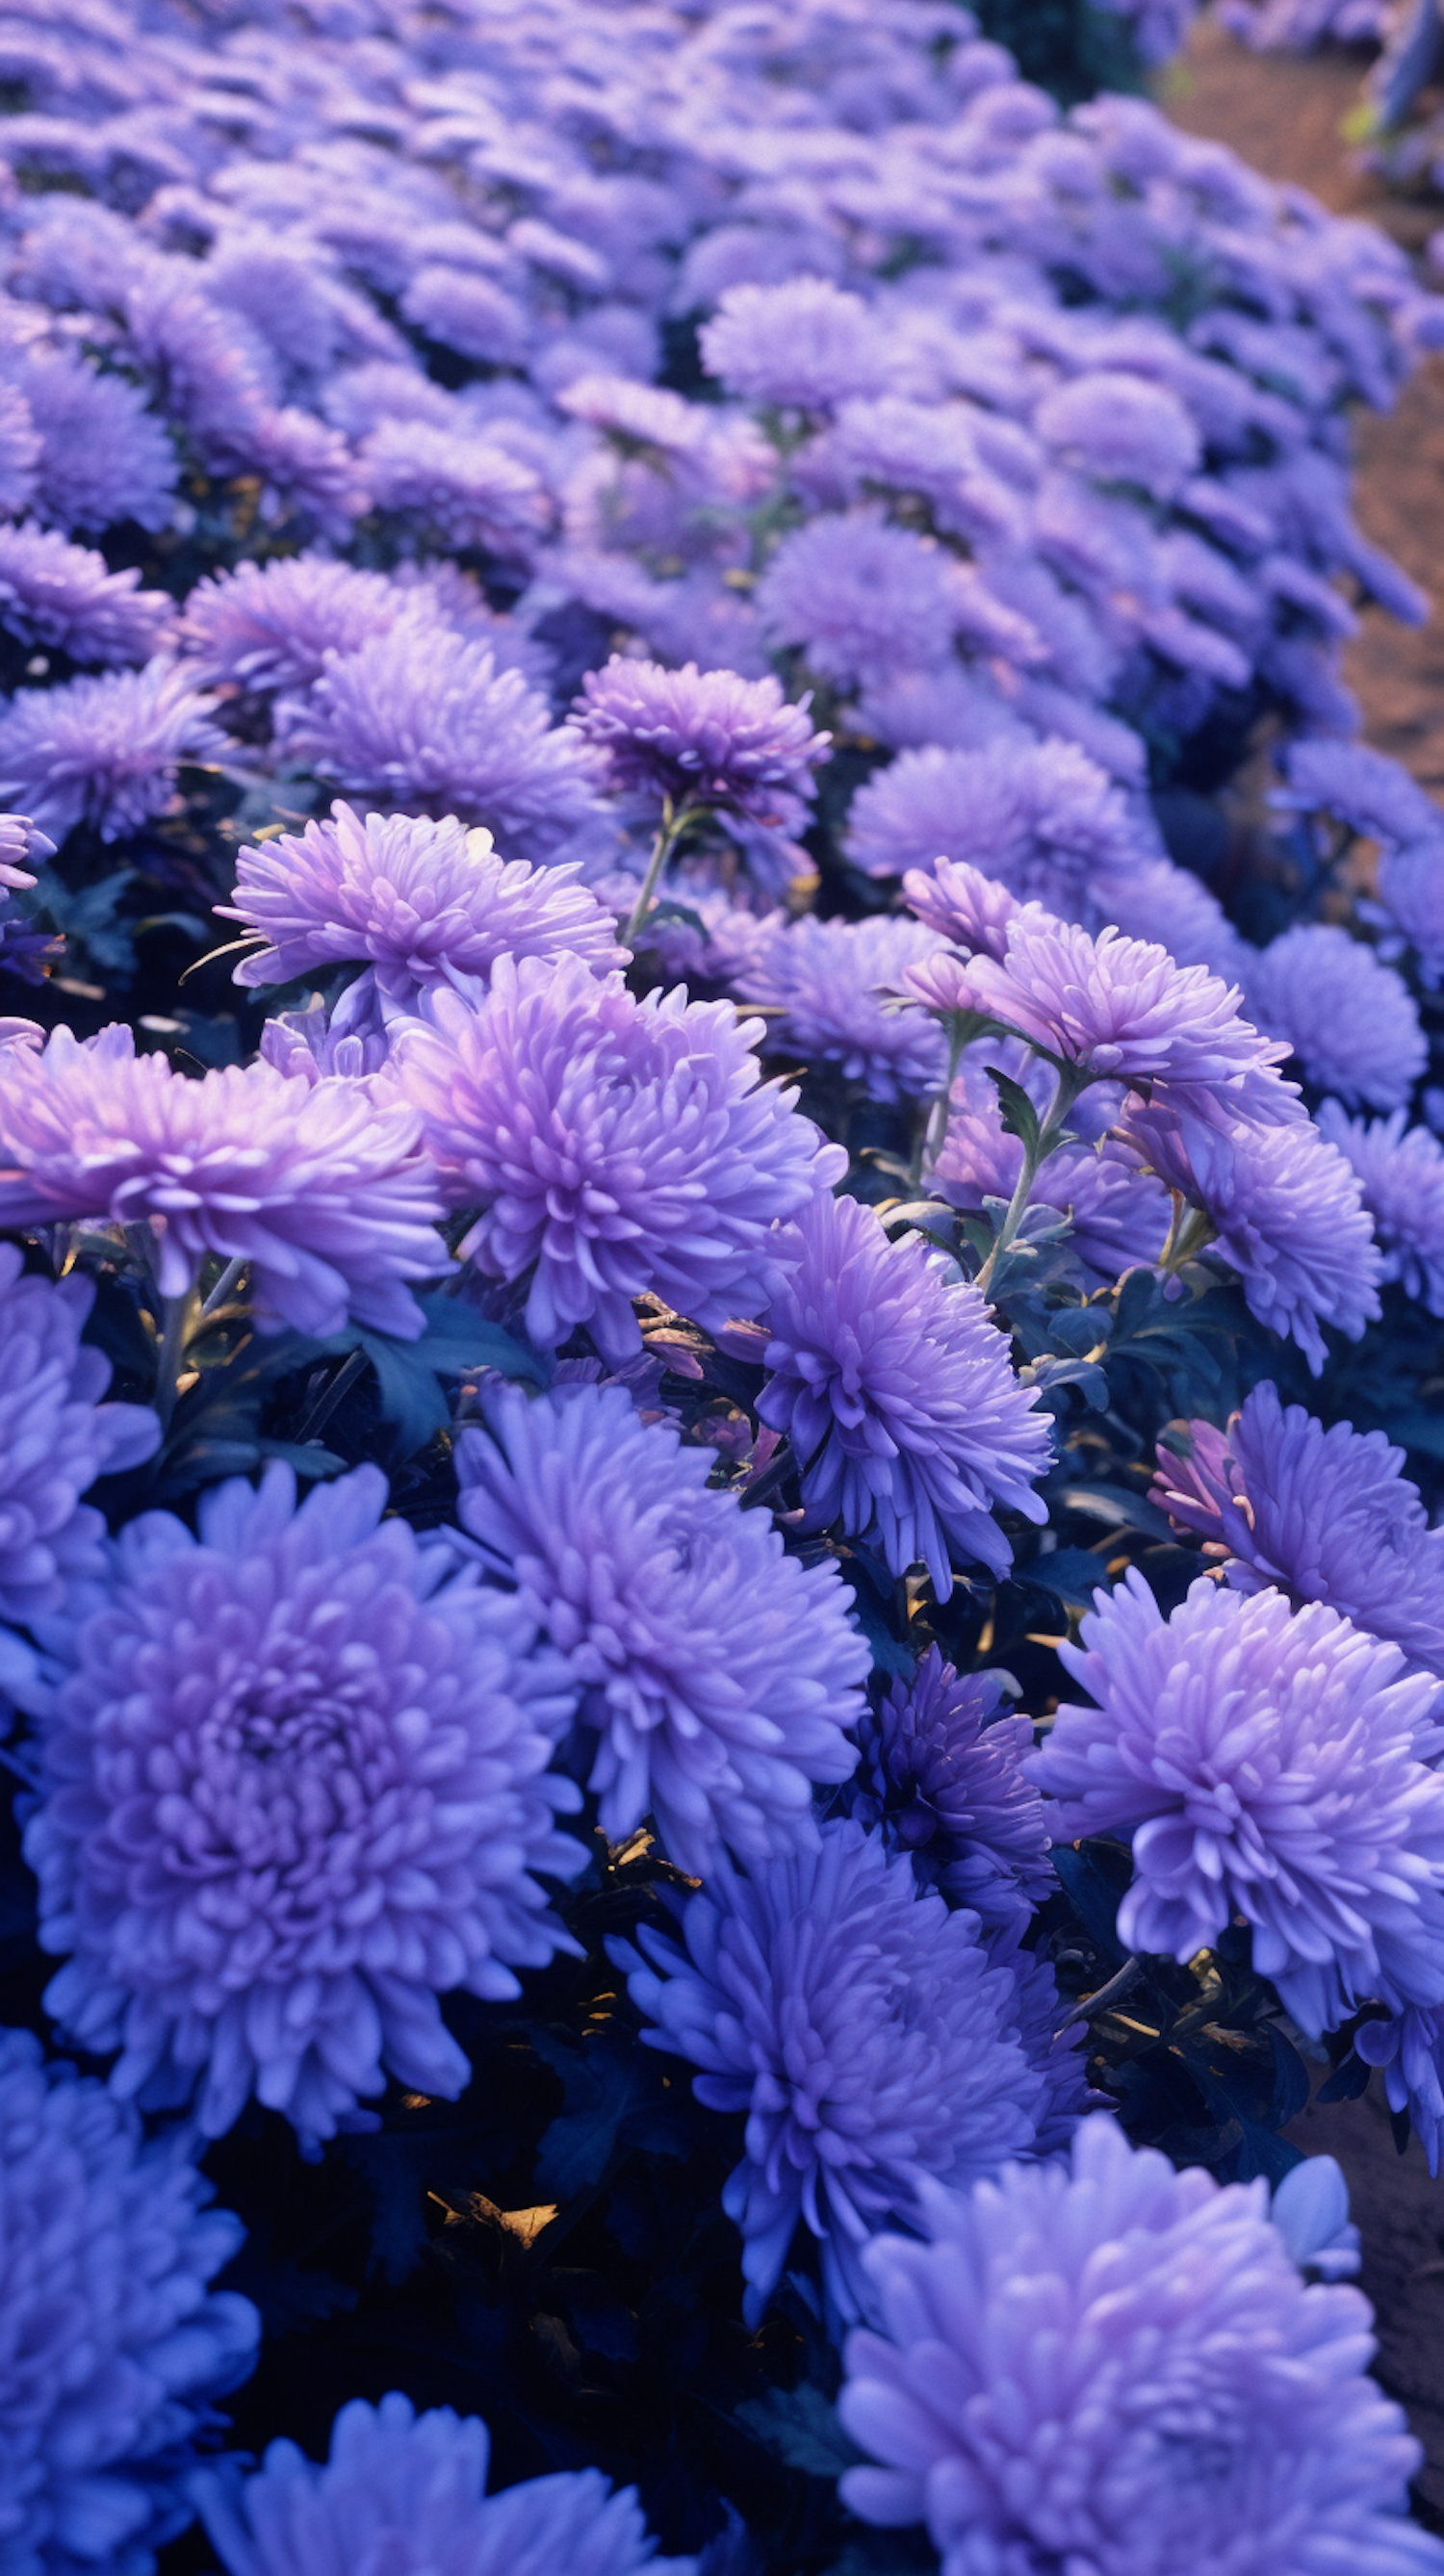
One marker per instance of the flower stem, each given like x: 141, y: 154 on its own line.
x: 935, y: 1134
x: 224, y: 1285
x: 669, y: 832
x: 175, y: 1333
x: 1072, y: 1080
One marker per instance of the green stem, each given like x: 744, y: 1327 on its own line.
x: 175, y: 1333
x: 935, y: 1134
x: 669, y: 833
x: 224, y: 1285
x: 1072, y: 1080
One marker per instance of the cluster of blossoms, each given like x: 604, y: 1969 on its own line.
x: 667, y: 571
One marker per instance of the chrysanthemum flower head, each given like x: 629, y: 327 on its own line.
x: 613, y: 1147
x: 1120, y: 428
x: 898, y: 1395
x: 114, y: 2344
x: 704, y: 735
x: 718, y: 1673
x: 807, y: 344
x: 20, y: 845
x: 459, y: 486
x: 270, y: 626
x: 330, y: 1204
x: 408, y: 2491
x: 56, y: 1436
x: 1268, y: 1762
x: 419, y: 901
x: 66, y: 596
x: 1042, y: 819
x: 1327, y: 1515
x: 104, y: 751
x: 942, y: 1774
x: 1351, y: 1021
x: 1114, y: 2366
x: 962, y: 905
x: 291, y: 1790
x: 840, y: 989
x: 1400, y: 1174
x: 1121, y: 1007
x: 1288, y: 1214
x: 422, y: 718
x: 861, y: 598
x: 864, y: 2029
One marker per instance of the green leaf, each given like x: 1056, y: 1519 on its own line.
x: 456, y: 1341
x: 615, y: 2099
x: 800, y: 2428
x: 1073, y: 1573
x: 1020, y: 1118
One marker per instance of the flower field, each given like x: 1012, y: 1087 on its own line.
x: 721, y: 1472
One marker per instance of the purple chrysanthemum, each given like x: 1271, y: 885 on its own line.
x: 458, y: 486
x: 963, y: 906
x: 898, y: 1394
x: 1327, y: 1515
x: 615, y: 1148
x: 704, y: 737
x: 719, y: 1674
x: 1365, y: 789
x: 270, y: 626
x: 56, y: 1436
x: 839, y: 991
x: 1288, y: 1215
x: 1409, y: 2046
x: 1120, y: 428
x: 420, y: 902
x: 805, y: 344
x: 104, y: 456
x: 866, y: 2031
x: 1122, y: 1007
x: 62, y: 595
x: 1400, y: 1172
x: 104, y: 751
x: 292, y: 1787
x: 330, y: 1204
x: 408, y: 2492
x: 114, y: 2345
x: 1043, y: 820
x: 1268, y: 1762
x: 1352, y: 1022
x: 861, y: 599
x: 1116, y: 2367
x: 942, y: 1773
x: 423, y: 718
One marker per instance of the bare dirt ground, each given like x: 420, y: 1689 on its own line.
x: 1284, y: 115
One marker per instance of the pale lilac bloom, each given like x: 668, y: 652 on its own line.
x: 419, y: 902
x: 423, y: 718
x: 292, y: 1788
x: 57, y: 594
x: 410, y: 2490
x: 329, y: 1203
x: 942, y: 1775
x: 20, y: 842
x: 614, y: 1148
x: 840, y: 989
x: 1268, y: 1762
x: 1400, y: 1172
x: 1121, y: 429
x: 806, y: 344
x: 57, y: 1434
x: 1114, y: 2366
x: 1365, y: 789
x: 718, y: 1674
x: 865, y: 2030
x: 1351, y: 1022
x: 705, y: 737
x: 1043, y: 820
x: 970, y: 910
x: 1288, y: 1215
x: 105, y: 751
x: 115, y: 2344
x: 861, y: 598
x: 1327, y: 1515
x: 464, y: 489
x: 104, y: 456
x: 898, y: 1395
x: 270, y: 626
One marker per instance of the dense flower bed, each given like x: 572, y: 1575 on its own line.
x: 720, y: 1146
